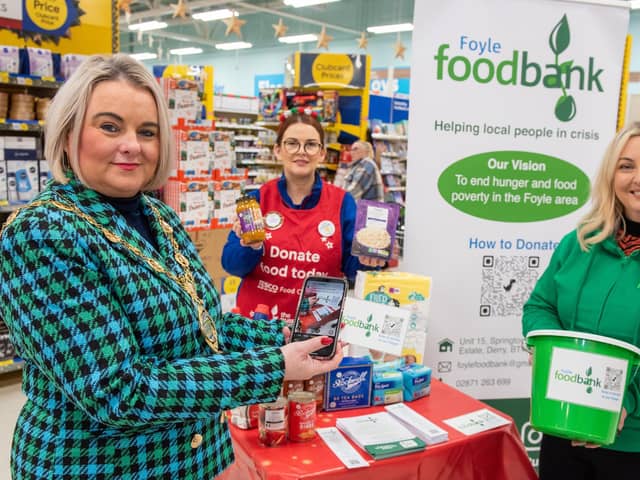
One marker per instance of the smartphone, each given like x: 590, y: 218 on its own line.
x: 319, y: 312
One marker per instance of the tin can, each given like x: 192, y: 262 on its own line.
x: 302, y: 416
x: 272, y: 423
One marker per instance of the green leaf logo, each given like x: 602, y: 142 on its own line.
x: 565, y: 108
x: 589, y: 371
x: 560, y: 36
x: 559, y: 40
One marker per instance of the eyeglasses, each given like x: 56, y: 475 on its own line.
x: 310, y: 148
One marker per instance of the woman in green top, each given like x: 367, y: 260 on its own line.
x: 592, y: 285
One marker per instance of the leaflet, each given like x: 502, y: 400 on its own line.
x: 476, y: 422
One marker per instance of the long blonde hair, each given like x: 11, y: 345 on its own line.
x: 607, y: 212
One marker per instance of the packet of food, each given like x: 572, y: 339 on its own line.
x: 375, y: 229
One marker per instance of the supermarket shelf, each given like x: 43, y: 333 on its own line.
x: 259, y: 163
x: 388, y: 137
x: 246, y: 138
x: 11, y: 365
x: 21, y: 126
x: 328, y: 166
x: 249, y: 149
x: 238, y: 126
x: 29, y: 81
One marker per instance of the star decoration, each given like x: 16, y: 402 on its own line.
x: 125, y: 6
x: 280, y: 28
x: 399, y: 48
x: 329, y: 245
x: 324, y: 39
x: 179, y: 9
x: 267, y: 236
x: 363, y: 41
x: 234, y: 24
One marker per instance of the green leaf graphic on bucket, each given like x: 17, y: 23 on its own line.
x: 578, y: 383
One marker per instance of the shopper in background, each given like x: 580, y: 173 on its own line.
x: 309, y: 226
x: 591, y: 285
x: 363, y: 179
x: 128, y: 363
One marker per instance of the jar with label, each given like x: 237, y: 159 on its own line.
x: 272, y: 423
x: 302, y: 416
x: 251, y: 222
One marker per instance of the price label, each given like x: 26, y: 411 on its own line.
x: 24, y: 81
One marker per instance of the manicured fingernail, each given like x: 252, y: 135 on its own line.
x: 327, y: 341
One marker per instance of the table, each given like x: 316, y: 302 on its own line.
x: 496, y: 454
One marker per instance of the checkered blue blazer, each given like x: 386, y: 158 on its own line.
x: 119, y: 381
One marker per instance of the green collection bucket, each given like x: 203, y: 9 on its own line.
x: 578, y: 383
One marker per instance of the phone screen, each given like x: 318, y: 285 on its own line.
x: 319, y: 311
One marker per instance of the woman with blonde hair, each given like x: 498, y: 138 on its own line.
x: 129, y: 363
x: 591, y: 285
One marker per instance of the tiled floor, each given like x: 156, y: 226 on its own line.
x: 11, y: 401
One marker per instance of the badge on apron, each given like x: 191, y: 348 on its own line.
x: 326, y: 228
x: 273, y: 220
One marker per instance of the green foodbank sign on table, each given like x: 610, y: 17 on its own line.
x: 514, y: 186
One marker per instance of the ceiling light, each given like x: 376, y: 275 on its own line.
x: 398, y: 27
x: 185, y: 51
x: 144, y: 56
x: 146, y: 26
x: 634, y: 5
x: 307, y: 37
x: 306, y: 3
x: 233, y: 45
x: 211, y: 15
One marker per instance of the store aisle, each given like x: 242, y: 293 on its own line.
x: 11, y: 401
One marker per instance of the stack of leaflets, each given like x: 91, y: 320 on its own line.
x: 426, y: 430
x: 380, y: 435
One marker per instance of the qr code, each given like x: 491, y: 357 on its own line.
x: 392, y: 326
x: 507, y: 282
x: 613, y: 379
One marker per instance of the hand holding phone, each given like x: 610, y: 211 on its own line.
x: 319, y: 312
x: 299, y: 365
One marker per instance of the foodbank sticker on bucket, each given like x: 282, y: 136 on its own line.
x: 587, y: 379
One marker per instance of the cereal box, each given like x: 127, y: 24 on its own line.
x: 406, y: 290
x: 375, y: 228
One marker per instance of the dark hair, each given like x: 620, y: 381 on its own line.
x: 299, y: 118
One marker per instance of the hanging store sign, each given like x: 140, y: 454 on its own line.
x: 330, y: 69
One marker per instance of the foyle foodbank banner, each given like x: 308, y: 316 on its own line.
x: 508, y: 124
x: 336, y: 69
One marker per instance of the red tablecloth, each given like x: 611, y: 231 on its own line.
x: 496, y: 454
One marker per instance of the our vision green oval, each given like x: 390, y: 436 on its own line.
x: 514, y: 186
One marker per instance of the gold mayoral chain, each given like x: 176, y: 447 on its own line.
x: 185, y: 281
